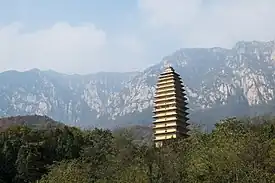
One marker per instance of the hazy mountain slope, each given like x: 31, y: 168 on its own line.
x: 69, y: 98
x: 219, y: 82
x: 226, y: 80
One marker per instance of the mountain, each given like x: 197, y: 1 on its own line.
x: 32, y: 121
x: 219, y: 82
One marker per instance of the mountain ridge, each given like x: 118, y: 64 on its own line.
x: 236, y: 79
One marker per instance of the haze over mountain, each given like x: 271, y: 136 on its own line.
x: 219, y: 82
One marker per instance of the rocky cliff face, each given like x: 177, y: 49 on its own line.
x: 233, y: 79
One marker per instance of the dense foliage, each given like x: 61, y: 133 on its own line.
x: 236, y: 151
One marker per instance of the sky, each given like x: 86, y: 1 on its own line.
x: 88, y: 36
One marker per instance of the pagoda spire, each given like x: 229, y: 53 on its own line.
x: 166, y: 64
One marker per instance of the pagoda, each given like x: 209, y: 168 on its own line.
x: 170, y: 116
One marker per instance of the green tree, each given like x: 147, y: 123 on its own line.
x: 67, y: 172
x: 30, y: 165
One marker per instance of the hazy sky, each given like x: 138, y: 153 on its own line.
x: 86, y: 36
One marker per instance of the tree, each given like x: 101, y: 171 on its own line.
x: 67, y: 172
x: 30, y: 165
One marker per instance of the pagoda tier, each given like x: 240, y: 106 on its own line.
x: 170, y: 108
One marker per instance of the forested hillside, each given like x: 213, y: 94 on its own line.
x: 32, y: 121
x: 236, y: 151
